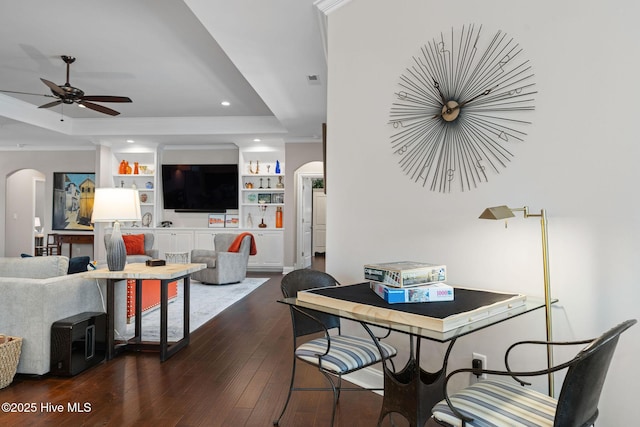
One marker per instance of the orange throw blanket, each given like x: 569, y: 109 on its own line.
x: 235, y: 245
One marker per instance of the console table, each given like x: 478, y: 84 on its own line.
x: 412, y: 391
x: 70, y: 239
x: 139, y: 272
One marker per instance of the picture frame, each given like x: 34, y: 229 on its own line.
x: 73, y: 195
x: 231, y: 220
x: 264, y: 197
x: 216, y: 220
x: 277, y: 198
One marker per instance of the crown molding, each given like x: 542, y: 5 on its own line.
x: 329, y: 6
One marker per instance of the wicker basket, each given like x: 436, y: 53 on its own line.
x: 9, y: 357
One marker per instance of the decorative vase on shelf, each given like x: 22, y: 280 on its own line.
x: 280, y: 184
x: 277, y: 166
x: 249, y: 220
x: 278, y: 217
x: 136, y: 171
x: 128, y: 168
x: 262, y: 224
x: 123, y: 168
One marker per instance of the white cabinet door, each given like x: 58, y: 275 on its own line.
x: 270, y: 246
x: 204, y: 239
x: 173, y: 241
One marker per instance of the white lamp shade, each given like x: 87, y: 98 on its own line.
x: 116, y: 204
x: 37, y: 221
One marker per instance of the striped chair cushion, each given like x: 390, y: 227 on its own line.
x: 346, y: 354
x: 498, y: 403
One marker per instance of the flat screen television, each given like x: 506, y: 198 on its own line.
x: 200, y: 188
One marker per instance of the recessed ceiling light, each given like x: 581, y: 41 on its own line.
x: 256, y: 140
x: 130, y: 141
x: 225, y: 103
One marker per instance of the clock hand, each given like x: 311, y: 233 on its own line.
x: 450, y: 109
x: 437, y: 86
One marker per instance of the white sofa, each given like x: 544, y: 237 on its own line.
x: 36, y: 292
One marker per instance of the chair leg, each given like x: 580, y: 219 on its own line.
x: 293, y: 375
x: 336, y: 394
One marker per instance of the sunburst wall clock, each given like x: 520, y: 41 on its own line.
x: 464, y: 100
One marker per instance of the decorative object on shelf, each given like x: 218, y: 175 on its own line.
x: 268, y: 182
x: 261, y: 183
x: 143, y: 197
x: 257, y: 171
x: 136, y: 169
x: 116, y: 205
x: 123, y: 167
x: 216, y: 220
x: 146, y: 219
x: 149, y: 185
x: 128, y: 169
x: 252, y: 197
x: 278, y: 217
x: 249, y: 221
x: 504, y: 212
x: 143, y: 169
x: 134, y: 186
x: 264, y: 197
x: 277, y: 166
x: 463, y: 100
x: 280, y: 184
x: 121, y: 183
x: 263, y: 209
x: 277, y: 198
x: 248, y: 185
x: 268, y: 168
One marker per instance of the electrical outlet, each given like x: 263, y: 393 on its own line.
x: 483, y: 359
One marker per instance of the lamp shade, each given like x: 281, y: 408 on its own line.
x: 497, y: 212
x: 116, y: 204
x: 36, y: 221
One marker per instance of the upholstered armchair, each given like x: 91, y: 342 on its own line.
x: 223, y: 267
x: 139, y: 249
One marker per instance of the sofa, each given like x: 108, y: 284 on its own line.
x: 36, y: 292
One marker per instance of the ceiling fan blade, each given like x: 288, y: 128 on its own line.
x: 54, y: 87
x: 106, y: 98
x: 26, y: 93
x: 99, y: 108
x: 50, y: 104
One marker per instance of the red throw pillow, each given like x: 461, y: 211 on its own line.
x: 134, y: 244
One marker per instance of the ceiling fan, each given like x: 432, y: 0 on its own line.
x: 67, y: 94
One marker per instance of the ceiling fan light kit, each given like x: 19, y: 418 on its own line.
x: 67, y: 94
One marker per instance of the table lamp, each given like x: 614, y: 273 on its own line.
x: 36, y: 223
x: 504, y: 212
x: 116, y: 205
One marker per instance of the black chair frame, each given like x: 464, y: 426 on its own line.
x: 578, y: 400
x: 306, y: 322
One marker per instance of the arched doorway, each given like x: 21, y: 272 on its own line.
x: 303, y: 178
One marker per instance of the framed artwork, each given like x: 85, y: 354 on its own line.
x: 231, y: 221
x: 216, y: 220
x: 264, y: 197
x: 73, y: 194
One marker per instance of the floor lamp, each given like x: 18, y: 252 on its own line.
x: 116, y: 205
x: 504, y: 212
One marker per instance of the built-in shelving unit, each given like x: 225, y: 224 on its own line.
x: 145, y: 180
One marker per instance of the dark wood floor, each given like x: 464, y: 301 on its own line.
x: 235, y: 372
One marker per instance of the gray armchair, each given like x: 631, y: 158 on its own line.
x: 223, y: 267
x: 149, y: 252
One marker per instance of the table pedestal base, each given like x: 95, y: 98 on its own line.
x: 412, y: 392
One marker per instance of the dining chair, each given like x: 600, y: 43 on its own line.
x: 333, y: 354
x: 54, y: 246
x: 499, y: 402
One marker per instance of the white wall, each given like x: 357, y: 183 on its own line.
x: 578, y: 162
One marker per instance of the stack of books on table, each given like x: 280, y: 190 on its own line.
x: 409, y: 281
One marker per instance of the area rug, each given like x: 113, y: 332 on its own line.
x: 206, y: 302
